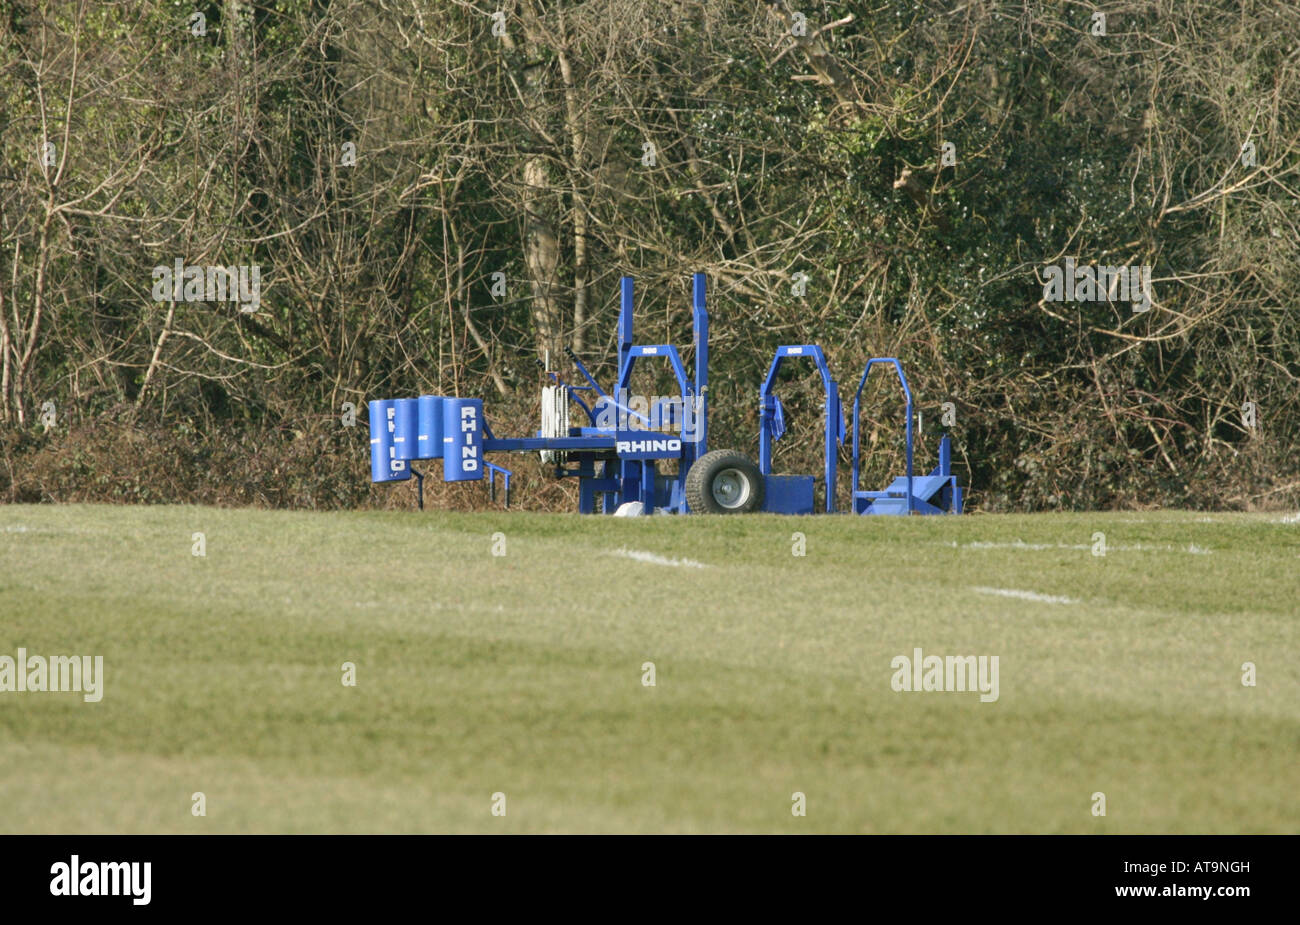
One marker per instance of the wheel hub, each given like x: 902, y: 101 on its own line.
x: 730, y: 488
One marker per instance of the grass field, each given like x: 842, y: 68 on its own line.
x: 522, y: 673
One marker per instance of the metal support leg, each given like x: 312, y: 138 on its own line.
x: 419, y: 486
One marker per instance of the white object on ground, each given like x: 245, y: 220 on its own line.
x: 652, y: 559
x: 1027, y: 595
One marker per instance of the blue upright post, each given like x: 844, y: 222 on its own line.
x: 648, y: 486
x: 626, y: 304
x: 696, y: 443
x: 701, y: 443
x: 945, y: 470
x: 909, y: 440
x: 832, y: 442
x: 625, y: 323
x: 586, y: 489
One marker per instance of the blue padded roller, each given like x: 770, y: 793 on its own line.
x: 429, y: 433
x: 405, y: 424
x: 462, y: 439
x: 384, y: 464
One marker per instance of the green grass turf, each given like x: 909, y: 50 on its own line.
x: 522, y: 673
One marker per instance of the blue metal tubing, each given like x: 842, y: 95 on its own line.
x: 531, y: 444
x: 493, y: 469
x: 624, y: 320
x: 857, y: 397
x: 635, y: 481
x: 628, y: 352
x: 654, y: 350
x: 590, y: 416
x: 586, y: 375
x: 830, y: 407
x: 701, y: 319
x: 622, y: 407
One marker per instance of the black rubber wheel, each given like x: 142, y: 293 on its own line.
x: 724, y: 482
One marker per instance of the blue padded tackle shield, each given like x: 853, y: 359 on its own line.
x: 462, y: 439
x: 404, y: 428
x: 428, y: 437
x: 384, y: 464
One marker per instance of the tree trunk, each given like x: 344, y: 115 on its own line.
x: 542, y: 255
x: 577, y: 155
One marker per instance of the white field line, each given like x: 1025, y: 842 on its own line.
x: 652, y: 559
x: 1026, y: 595
x: 1118, y: 547
x: 1290, y: 519
x: 43, y: 531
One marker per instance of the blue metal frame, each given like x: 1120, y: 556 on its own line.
x: 857, y: 399
x: 493, y: 469
x: 617, y: 464
x: 940, y: 492
x: 772, y: 416
x: 637, y: 478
